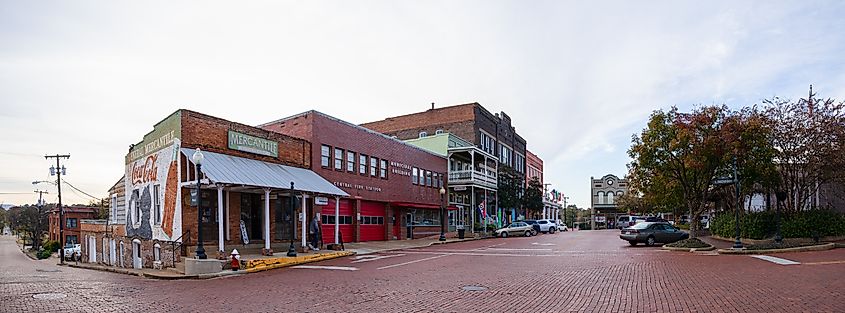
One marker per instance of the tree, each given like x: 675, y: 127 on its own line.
x: 685, y: 148
x: 809, y: 141
x: 532, y: 200
x: 510, y: 187
x: 3, y: 216
x: 31, y: 221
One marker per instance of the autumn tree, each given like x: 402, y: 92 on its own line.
x: 809, y: 140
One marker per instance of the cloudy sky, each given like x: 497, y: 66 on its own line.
x: 577, y: 78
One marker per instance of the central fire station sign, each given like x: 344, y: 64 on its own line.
x: 252, y: 144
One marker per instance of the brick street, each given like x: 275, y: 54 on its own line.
x: 564, y: 272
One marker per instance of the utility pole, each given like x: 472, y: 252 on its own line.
x: 564, y: 211
x: 58, y: 171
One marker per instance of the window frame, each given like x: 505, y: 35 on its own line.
x: 325, y: 156
x: 383, y: 169
x: 415, y: 176
x: 350, y: 164
x: 157, y: 204
x: 338, y: 161
x: 362, y: 164
x: 374, y: 166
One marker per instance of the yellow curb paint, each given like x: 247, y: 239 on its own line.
x: 253, y: 266
x: 824, y: 263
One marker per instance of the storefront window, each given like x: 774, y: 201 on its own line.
x: 426, y: 218
x: 325, y: 155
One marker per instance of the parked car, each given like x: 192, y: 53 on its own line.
x: 561, y: 226
x: 534, y: 225
x: 73, y: 251
x: 651, y: 233
x: 517, y: 229
x: 547, y: 226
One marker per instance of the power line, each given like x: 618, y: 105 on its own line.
x: 77, y: 189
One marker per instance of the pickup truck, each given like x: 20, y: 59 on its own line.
x: 73, y: 250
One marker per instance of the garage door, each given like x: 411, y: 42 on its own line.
x: 372, y: 221
x: 345, y: 221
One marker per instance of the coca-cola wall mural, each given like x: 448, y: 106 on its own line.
x: 152, y: 185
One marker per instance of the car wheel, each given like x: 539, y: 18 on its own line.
x: 633, y: 243
x: 551, y: 230
x: 504, y: 234
x: 527, y: 233
x: 650, y: 241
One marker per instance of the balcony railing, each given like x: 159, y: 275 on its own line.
x: 485, y: 178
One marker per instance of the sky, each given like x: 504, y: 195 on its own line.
x: 89, y: 78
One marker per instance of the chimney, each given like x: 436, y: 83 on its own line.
x: 432, y: 105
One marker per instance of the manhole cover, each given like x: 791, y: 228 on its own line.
x: 49, y: 296
x: 473, y: 288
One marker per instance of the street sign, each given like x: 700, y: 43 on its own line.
x: 321, y: 201
x: 193, y: 197
x: 724, y: 181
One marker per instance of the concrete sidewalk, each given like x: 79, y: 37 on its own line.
x: 382, y: 246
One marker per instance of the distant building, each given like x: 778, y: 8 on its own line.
x: 72, y: 219
x: 605, y: 193
x: 534, y: 167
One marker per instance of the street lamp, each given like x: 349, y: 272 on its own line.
x: 291, y: 249
x: 442, y: 215
x: 738, y: 242
x: 197, y: 158
x: 781, y: 196
x: 58, y: 171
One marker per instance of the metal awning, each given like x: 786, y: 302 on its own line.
x: 227, y: 169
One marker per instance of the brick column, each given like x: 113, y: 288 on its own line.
x: 356, y: 225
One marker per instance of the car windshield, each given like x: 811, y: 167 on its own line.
x: 542, y: 222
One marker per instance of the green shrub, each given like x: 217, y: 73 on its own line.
x: 43, y: 254
x: 682, y: 226
x: 51, y: 245
x: 762, y: 225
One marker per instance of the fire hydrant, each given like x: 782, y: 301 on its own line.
x: 236, y: 263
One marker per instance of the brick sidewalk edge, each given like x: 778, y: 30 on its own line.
x: 822, y: 247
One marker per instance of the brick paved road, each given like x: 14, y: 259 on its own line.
x: 575, y: 271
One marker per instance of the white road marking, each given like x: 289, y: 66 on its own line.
x: 412, y: 262
x: 557, y: 253
x: 376, y: 257
x: 542, y: 244
x: 319, y: 267
x: 775, y: 260
x: 514, y: 249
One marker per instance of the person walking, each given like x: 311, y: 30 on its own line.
x: 314, y: 230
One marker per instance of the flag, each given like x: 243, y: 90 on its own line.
x: 481, y: 208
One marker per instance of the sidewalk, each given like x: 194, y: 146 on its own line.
x: 382, y: 246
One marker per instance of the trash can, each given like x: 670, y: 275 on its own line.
x: 460, y: 231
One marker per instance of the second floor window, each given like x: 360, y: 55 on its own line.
x: 428, y: 178
x: 415, y: 179
x: 325, y: 155
x: 350, y: 161
x: 338, y: 159
x: 362, y: 164
x: 157, y: 203
x: 71, y: 223
x: 373, y: 166
x: 383, y: 169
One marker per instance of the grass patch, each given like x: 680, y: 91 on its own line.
x: 785, y: 244
x: 688, y: 243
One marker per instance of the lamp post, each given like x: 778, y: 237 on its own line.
x: 781, y: 196
x: 442, y: 215
x: 737, y: 243
x: 197, y: 158
x: 291, y: 249
x: 58, y: 171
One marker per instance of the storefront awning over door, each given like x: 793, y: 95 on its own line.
x: 227, y: 169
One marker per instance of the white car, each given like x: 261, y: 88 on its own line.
x: 73, y: 251
x: 561, y: 226
x: 547, y: 226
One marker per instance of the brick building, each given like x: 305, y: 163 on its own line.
x: 604, y: 193
x: 393, y: 187
x: 533, y: 167
x: 493, y: 134
x: 246, y: 196
x: 73, y: 215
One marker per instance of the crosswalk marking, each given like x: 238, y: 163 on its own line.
x: 775, y: 260
x: 320, y: 267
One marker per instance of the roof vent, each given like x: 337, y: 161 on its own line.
x: 438, y: 132
x: 423, y: 134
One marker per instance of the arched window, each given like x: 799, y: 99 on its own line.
x: 600, y: 197
x: 157, y: 252
x: 120, y: 254
x: 610, y: 197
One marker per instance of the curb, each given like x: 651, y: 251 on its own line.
x: 710, y: 248
x: 298, y: 262
x: 821, y: 247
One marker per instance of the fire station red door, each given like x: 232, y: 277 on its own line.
x: 345, y: 221
x: 372, y: 221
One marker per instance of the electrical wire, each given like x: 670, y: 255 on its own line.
x: 85, y: 193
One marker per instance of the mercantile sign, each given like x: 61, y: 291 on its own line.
x: 252, y: 144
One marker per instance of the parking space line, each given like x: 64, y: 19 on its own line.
x: 775, y: 260
x: 516, y: 249
x: 369, y: 258
x: 412, y: 262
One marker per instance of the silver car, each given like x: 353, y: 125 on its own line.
x: 517, y: 229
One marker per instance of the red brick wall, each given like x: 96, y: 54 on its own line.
x: 69, y: 213
x: 532, y: 159
x: 458, y: 120
x: 321, y: 129
x: 212, y: 134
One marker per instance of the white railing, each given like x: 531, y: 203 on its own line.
x: 485, y: 178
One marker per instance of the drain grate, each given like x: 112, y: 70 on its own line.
x: 473, y: 288
x: 49, y: 296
